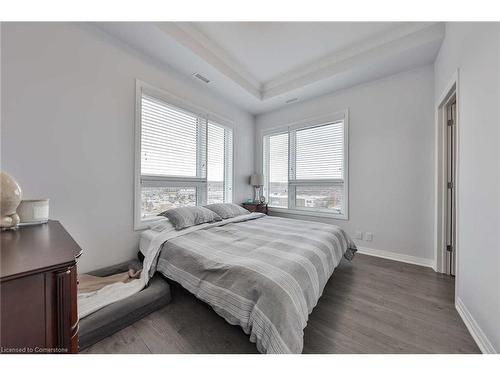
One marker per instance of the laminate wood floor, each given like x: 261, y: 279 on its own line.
x: 370, y: 305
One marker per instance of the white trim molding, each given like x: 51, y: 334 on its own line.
x: 392, y: 42
x: 397, y: 257
x: 475, y: 330
x: 450, y: 90
x: 187, y: 34
x: 189, y: 49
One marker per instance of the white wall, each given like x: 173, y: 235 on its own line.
x: 474, y: 48
x: 68, y: 98
x: 391, y: 159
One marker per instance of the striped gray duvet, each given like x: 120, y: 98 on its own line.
x: 265, y: 274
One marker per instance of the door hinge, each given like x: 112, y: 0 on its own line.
x: 449, y: 248
x: 451, y: 122
x: 450, y: 185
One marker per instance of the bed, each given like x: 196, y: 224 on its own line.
x: 263, y: 273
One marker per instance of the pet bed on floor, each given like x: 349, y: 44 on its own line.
x: 118, y: 315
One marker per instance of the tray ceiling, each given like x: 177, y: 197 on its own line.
x: 261, y: 65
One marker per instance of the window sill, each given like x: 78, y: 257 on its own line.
x: 321, y: 214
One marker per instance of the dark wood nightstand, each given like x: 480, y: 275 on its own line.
x: 256, y: 207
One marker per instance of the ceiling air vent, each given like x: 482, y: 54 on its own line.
x: 291, y: 100
x: 201, y: 78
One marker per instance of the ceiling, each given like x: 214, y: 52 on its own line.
x: 259, y: 66
x: 268, y: 50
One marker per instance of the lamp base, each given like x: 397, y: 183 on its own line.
x: 256, y: 194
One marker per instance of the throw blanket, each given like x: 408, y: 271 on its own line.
x: 263, y: 273
x: 90, y: 283
x: 96, y: 292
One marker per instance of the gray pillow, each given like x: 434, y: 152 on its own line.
x: 184, y: 217
x: 227, y: 210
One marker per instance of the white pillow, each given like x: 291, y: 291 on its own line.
x: 161, y: 225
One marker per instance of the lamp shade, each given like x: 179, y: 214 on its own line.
x: 256, y: 180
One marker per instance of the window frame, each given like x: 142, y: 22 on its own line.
x: 291, y: 130
x: 173, y: 181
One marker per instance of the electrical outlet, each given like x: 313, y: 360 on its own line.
x: 369, y: 236
x: 358, y: 235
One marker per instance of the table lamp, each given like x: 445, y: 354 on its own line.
x: 256, y: 180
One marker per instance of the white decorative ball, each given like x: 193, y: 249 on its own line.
x: 10, y: 197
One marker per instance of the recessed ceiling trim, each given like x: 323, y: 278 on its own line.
x: 402, y: 49
x: 351, y: 58
x: 383, y: 44
x: 191, y: 38
x: 376, y: 41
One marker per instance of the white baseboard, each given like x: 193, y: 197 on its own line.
x: 476, y: 332
x: 398, y: 257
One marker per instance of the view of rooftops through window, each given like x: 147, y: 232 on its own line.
x: 314, y: 197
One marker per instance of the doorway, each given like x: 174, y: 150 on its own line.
x: 450, y: 201
x: 446, y: 189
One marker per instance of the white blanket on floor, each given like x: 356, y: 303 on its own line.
x: 93, y: 301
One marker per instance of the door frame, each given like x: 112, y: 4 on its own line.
x: 451, y: 90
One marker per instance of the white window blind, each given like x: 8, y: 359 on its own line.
x: 277, y: 161
x: 320, y: 152
x: 170, y: 140
x: 185, y: 159
x: 220, y: 156
x: 304, y: 168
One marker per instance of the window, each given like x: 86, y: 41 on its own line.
x: 220, y: 164
x: 183, y: 158
x: 305, y: 167
x: 278, y: 170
